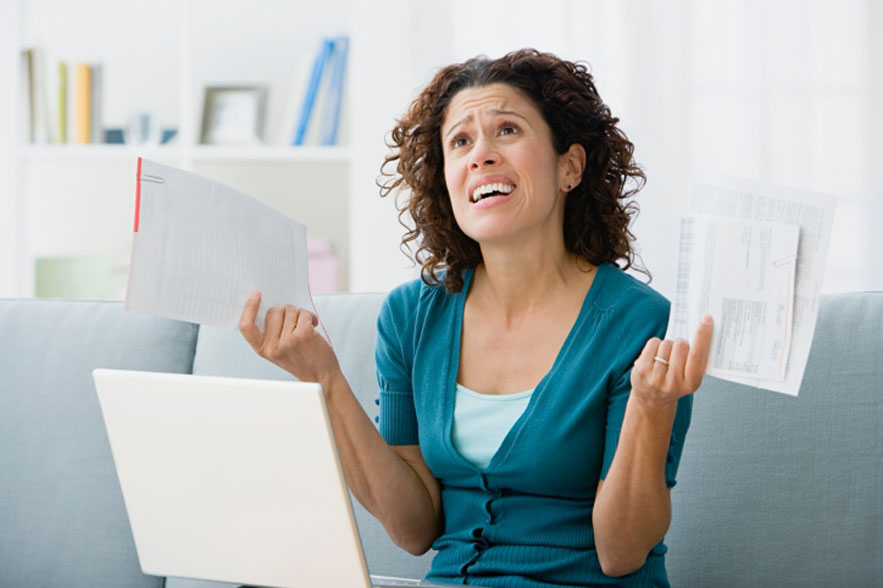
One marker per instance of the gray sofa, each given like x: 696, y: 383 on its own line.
x: 773, y: 490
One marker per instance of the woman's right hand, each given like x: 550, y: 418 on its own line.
x: 394, y: 484
x: 290, y: 341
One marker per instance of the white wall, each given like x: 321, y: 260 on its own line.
x: 781, y: 91
x: 10, y: 262
x: 868, y: 253
x: 396, y: 44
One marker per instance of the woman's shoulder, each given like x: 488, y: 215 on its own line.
x: 621, y: 292
x: 405, y: 294
x: 631, y: 310
x: 415, y: 298
x: 414, y: 293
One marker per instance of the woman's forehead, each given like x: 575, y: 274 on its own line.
x: 493, y: 97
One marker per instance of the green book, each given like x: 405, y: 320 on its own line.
x: 62, y: 102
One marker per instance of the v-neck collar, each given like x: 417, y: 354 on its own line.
x: 514, y: 433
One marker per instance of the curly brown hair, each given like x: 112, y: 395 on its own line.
x: 597, y: 212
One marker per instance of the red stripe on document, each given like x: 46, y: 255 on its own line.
x: 138, y: 195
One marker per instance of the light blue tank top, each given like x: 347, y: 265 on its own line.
x: 482, y: 421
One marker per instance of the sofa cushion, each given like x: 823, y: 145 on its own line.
x: 62, y: 518
x: 782, y: 491
x: 351, y: 323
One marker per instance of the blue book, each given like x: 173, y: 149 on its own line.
x: 331, y: 115
x: 325, y: 50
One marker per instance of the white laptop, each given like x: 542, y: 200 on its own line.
x: 233, y: 480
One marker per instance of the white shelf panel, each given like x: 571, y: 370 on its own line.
x: 99, y: 152
x: 197, y: 153
x: 271, y: 153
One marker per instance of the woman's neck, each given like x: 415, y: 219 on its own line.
x: 515, y: 281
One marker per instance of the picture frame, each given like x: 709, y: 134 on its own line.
x: 233, y: 115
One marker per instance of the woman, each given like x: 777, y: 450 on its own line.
x: 531, y: 418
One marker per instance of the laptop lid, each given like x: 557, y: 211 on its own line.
x: 232, y: 480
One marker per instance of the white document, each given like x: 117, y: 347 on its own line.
x: 742, y: 273
x: 813, y: 213
x: 200, y: 248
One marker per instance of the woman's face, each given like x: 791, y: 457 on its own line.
x: 504, y: 178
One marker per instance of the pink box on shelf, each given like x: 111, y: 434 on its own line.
x: 324, y: 266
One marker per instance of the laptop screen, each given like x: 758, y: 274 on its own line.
x: 232, y: 480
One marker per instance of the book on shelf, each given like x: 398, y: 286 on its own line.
x: 293, y: 100
x: 82, y: 118
x: 331, y: 116
x: 56, y: 89
x: 325, y: 49
x: 61, y: 104
x: 321, y: 105
x: 96, y: 91
x: 36, y: 100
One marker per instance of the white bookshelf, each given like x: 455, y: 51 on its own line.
x: 77, y: 200
x: 64, y: 200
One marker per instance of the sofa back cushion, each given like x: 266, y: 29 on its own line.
x: 351, y: 322
x: 781, y: 491
x: 772, y: 490
x: 62, y: 518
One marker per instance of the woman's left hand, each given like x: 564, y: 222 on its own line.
x: 667, y: 370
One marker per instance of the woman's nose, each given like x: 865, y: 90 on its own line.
x: 483, y: 154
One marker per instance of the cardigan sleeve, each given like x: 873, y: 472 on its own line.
x: 648, y: 321
x: 394, y: 360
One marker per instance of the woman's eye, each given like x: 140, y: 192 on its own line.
x: 458, y: 141
x: 508, y: 130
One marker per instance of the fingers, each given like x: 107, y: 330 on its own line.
x: 247, y: 326
x: 698, y: 356
x: 644, y: 363
x: 661, y: 369
x: 668, y: 370
x: 306, y: 321
x: 678, y: 359
x: 274, y: 320
x: 297, y: 320
x: 289, y: 321
x: 287, y: 327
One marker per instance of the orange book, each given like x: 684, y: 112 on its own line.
x: 84, y: 103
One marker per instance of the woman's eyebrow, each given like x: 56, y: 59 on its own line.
x: 498, y: 112
x: 494, y: 111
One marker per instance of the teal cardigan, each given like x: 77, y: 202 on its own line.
x: 526, y: 520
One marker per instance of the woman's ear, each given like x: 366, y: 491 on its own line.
x: 571, y: 165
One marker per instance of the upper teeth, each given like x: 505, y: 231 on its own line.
x: 488, y: 188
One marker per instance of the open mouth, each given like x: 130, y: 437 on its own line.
x: 491, y: 190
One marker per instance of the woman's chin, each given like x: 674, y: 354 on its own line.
x: 494, y: 236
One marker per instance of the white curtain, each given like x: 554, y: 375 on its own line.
x: 782, y: 91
